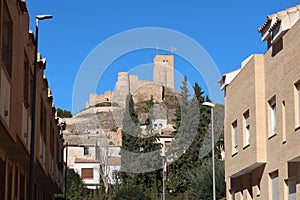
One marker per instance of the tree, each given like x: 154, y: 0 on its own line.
x: 63, y: 113
x: 103, y: 161
x: 130, y: 133
x: 148, y: 144
x: 192, y: 121
x: 201, y: 180
x: 75, y: 186
x: 140, y: 150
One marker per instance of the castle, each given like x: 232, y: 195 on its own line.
x: 163, y: 75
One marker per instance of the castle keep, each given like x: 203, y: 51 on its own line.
x: 142, y: 90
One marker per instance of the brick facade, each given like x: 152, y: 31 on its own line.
x: 17, y: 47
x: 266, y: 87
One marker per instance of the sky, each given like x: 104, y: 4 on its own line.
x: 225, y: 30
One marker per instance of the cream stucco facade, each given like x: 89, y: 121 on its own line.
x: 262, y: 127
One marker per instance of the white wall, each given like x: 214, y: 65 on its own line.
x: 96, y: 166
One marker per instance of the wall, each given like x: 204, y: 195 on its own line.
x: 16, y: 83
x: 248, y: 173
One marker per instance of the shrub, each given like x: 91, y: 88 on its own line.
x: 130, y: 193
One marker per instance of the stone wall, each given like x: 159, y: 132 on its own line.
x: 141, y: 89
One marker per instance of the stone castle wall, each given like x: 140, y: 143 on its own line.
x: 95, y: 98
x: 141, y: 89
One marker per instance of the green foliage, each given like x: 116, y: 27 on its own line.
x: 191, y: 124
x: 75, y: 186
x: 63, y: 113
x: 192, y: 141
x: 139, y: 170
x: 201, y: 180
x: 190, y: 114
x: 130, y: 193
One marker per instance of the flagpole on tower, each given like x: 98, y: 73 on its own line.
x: 173, y: 49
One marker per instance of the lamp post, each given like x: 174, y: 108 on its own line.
x: 163, y: 155
x: 32, y: 140
x: 211, y: 105
x: 66, y: 172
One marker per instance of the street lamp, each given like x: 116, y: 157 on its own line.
x: 211, y: 105
x: 32, y: 141
x: 66, y: 172
x: 163, y: 155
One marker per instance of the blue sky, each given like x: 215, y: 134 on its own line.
x: 227, y: 30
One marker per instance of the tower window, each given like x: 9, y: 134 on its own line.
x: 86, y: 151
x: 163, y: 93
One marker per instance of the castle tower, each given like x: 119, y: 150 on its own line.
x: 122, y: 88
x: 164, y: 70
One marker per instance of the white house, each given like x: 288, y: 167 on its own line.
x: 89, y: 171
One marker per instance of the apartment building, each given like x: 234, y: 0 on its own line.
x: 262, y: 116
x: 17, y: 47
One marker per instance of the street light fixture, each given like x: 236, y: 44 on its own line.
x: 211, y: 105
x: 42, y: 17
x: 32, y: 140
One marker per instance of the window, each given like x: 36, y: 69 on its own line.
x: 235, y: 137
x: 16, y: 178
x: 283, y: 122
x: 292, y: 189
x: 86, y: 151
x: 2, y: 175
x: 167, y: 144
x: 26, y: 83
x: 52, y: 139
x: 87, y: 173
x: 31, y: 92
x: 274, y: 186
x: 6, y: 39
x: 272, y: 111
x: 5, y: 97
x: 257, y: 187
x: 297, y: 104
x: 246, y: 128
x: 22, y: 187
x: 43, y: 119
x: 9, y: 182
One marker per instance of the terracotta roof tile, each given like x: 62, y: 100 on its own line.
x: 114, y: 161
x: 85, y: 160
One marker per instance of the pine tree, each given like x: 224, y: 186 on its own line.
x: 140, y: 153
x: 130, y: 133
x: 192, y: 121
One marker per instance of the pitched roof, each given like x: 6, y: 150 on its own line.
x: 114, y: 161
x: 85, y: 160
x: 274, y: 19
